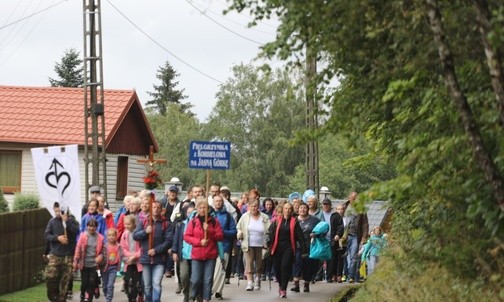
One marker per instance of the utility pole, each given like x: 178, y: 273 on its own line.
x: 312, y: 162
x: 94, y: 109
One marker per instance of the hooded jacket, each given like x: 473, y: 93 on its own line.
x: 228, y: 228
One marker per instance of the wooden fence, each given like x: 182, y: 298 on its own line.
x: 22, y: 244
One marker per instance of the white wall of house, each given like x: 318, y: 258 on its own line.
x: 136, y: 172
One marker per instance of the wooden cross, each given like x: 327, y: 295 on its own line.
x: 151, y: 161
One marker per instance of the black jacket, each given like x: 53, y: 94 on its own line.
x: 54, y: 229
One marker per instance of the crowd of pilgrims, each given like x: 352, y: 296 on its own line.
x: 204, y: 241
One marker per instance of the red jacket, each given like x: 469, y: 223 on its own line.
x: 109, y: 218
x: 194, y: 234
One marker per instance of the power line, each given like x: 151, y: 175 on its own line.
x: 216, y: 22
x: 235, y: 22
x: 10, y: 39
x: 12, y: 13
x: 33, y: 14
x: 161, y: 46
x: 24, y: 39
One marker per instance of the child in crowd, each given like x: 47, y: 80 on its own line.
x: 373, y: 248
x: 132, y: 267
x: 111, y: 264
x: 88, y: 255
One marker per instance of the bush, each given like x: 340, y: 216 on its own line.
x: 25, y: 201
x: 399, y: 277
x: 4, y: 206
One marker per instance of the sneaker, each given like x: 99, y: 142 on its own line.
x: 295, y: 289
x: 257, y: 283
x: 351, y: 280
x: 178, y: 290
x: 250, y: 286
x: 218, y: 296
x: 283, y: 294
x: 343, y: 279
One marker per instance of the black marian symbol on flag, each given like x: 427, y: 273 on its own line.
x: 57, y: 177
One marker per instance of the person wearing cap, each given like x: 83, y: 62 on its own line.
x: 94, y: 192
x: 294, y: 195
x: 171, y: 201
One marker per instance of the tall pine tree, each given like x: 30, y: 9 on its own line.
x: 69, y: 70
x: 166, y: 92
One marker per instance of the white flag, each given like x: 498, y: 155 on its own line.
x: 58, y: 178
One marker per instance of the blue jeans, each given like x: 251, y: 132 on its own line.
x: 108, y: 279
x: 371, y: 262
x: 202, y: 278
x: 352, y: 250
x: 152, y: 275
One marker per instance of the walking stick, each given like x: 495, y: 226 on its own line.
x: 239, y: 259
x: 206, y: 219
x: 151, y: 220
x: 269, y: 280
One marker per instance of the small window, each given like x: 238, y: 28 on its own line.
x: 10, y: 171
x: 122, y: 177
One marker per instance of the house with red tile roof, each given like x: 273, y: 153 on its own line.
x: 33, y: 117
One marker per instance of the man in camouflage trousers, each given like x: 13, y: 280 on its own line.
x: 61, y: 233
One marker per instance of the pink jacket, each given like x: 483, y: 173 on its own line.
x: 127, y: 253
x: 80, y: 250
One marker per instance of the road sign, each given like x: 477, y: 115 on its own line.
x: 210, y: 155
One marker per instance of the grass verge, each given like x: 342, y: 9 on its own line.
x: 33, y: 294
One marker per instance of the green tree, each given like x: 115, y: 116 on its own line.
x: 70, y: 70
x: 167, y: 92
x: 259, y: 113
x: 174, y: 131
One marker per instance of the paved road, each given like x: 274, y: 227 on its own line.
x: 319, y: 292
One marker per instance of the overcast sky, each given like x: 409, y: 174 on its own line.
x: 30, y: 48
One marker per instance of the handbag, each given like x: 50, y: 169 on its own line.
x: 363, y: 269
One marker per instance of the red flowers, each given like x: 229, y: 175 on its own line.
x: 152, y: 180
